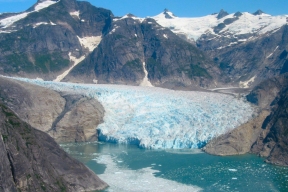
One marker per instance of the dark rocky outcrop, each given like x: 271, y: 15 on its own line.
x: 67, y: 117
x: 258, y: 12
x: 167, y: 15
x: 222, y: 14
x: 273, y: 142
x: 32, y: 161
x: 238, y: 14
x: 263, y: 94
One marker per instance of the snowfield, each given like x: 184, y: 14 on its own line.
x: 247, y: 23
x: 158, y: 118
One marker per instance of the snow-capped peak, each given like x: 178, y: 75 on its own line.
x: 258, y: 12
x: 166, y: 14
x: 235, y: 24
x: 222, y: 14
x: 6, y: 22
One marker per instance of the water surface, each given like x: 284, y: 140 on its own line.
x: 129, y: 168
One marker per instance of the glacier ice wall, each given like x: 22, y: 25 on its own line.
x: 158, y: 118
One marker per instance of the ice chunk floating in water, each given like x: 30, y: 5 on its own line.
x: 160, y: 118
x: 122, y: 179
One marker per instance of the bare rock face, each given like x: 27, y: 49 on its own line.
x: 265, y: 135
x: 79, y: 121
x: 239, y: 140
x: 273, y: 143
x: 32, y: 161
x: 65, y: 117
x: 36, y: 105
x: 263, y: 94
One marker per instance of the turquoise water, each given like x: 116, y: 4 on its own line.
x: 128, y: 168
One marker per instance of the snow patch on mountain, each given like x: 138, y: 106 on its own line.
x: 43, y: 5
x: 75, y: 13
x: 158, y: 118
x: 246, y: 84
x: 4, y: 23
x: 40, y: 23
x: 272, y: 53
x: 7, y: 22
x: 145, y: 81
x: 75, y: 61
x: 114, y: 29
x: 90, y: 42
x: 130, y: 16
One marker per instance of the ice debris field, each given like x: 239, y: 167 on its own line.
x: 158, y: 118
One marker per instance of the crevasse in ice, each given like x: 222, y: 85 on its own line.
x: 159, y: 118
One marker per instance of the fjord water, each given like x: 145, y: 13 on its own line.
x: 129, y: 168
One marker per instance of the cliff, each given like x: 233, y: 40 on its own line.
x: 266, y: 134
x: 32, y: 161
x: 64, y: 116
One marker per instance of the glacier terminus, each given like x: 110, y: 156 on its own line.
x: 157, y: 118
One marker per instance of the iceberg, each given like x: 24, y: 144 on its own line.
x: 158, y: 118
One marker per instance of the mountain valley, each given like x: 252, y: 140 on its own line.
x: 76, y: 73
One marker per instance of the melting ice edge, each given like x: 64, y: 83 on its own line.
x: 158, y: 118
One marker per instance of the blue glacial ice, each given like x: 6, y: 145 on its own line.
x: 159, y: 118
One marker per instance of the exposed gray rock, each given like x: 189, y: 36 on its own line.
x: 258, y: 12
x: 273, y: 142
x: 6, y: 177
x: 36, y: 105
x: 263, y: 94
x: 239, y: 140
x: 78, y: 121
x: 266, y: 134
x: 238, y: 14
x: 64, y: 116
x: 32, y: 160
x: 222, y: 14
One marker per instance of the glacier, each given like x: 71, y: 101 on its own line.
x: 158, y: 118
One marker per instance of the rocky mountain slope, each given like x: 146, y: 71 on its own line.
x: 58, y: 40
x: 256, y: 60
x: 134, y: 47
x: 272, y: 142
x: 266, y: 134
x: 248, y: 48
x: 66, y: 117
x: 32, y: 161
x: 52, y: 37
